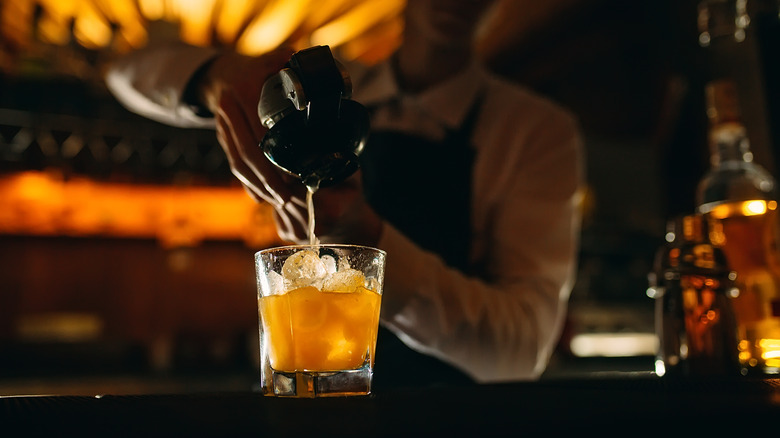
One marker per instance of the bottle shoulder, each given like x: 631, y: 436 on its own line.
x: 734, y: 181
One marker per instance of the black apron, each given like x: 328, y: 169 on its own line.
x: 423, y: 189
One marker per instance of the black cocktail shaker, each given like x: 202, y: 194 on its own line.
x: 316, y: 132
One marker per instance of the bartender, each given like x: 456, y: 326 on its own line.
x: 469, y: 182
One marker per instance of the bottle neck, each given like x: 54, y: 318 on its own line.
x: 729, y: 142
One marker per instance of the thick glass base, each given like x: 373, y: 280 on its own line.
x: 311, y: 384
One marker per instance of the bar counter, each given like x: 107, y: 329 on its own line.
x: 628, y: 405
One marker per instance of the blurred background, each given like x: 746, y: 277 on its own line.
x: 126, y: 246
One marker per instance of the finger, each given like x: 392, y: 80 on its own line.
x: 250, y: 159
x: 248, y: 106
x: 249, y: 97
x: 289, y: 226
x: 296, y: 210
x: 247, y: 145
x: 253, y: 185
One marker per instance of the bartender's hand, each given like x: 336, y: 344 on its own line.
x: 231, y: 89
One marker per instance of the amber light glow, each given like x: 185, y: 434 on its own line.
x: 44, y: 204
x: 770, y: 351
x: 745, y: 208
x: 251, y: 26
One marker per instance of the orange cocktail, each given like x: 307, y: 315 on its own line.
x: 312, y: 330
x: 319, y: 315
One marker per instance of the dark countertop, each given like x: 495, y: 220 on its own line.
x: 636, y: 405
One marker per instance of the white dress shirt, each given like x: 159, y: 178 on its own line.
x: 503, y: 324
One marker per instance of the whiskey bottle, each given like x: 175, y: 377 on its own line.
x: 739, y: 196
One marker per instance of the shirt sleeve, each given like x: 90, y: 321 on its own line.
x: 504, y: 323
x: 152, y: 81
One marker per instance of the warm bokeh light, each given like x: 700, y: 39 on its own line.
x: 770, y: 352
x: 91, y: 29
x: 277, y: 21
x: 745, y: 208
x: 130, y: 26
x: 152, y: 9
x: 230, y: 21
x: 195, y: 17
x: 357, y: 21
x: 45, y: 204
x: 54, y: 21
x: 362, y: 48
x: 250, y: 26
x: 754, y: 208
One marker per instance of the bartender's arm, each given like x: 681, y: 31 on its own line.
x: 187, y: 86
x: 502, y: 322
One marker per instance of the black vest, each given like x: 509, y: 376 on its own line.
x: 423, y: 189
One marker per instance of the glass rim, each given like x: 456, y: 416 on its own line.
x: 319, y: 245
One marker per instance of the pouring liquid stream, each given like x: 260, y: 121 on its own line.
x: 310, y: 190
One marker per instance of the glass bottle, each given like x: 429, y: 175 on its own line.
x: 696, y: 324
x: 733, y: 175
x: 739, y: 196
